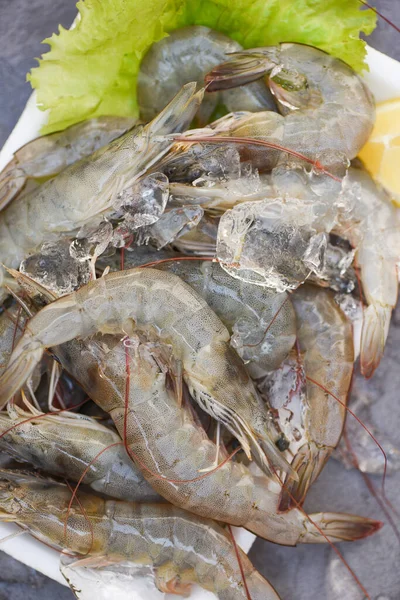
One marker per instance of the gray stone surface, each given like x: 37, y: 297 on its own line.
x: 303, y: 573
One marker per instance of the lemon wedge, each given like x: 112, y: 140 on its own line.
x: 381, y: 154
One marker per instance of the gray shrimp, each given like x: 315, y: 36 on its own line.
x: 131, y: 380
x: 182, y: 548
x: 48, y: 155
x: 187, y: 54
x: 305, y: 389
x: 161, y: 302
x: 261, y: 322
x: 324, y: 103
x: 90, y: 188
x: 67, y: 444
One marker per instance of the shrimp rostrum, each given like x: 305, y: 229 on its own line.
x: 159, y: 302
x: 182, y: 549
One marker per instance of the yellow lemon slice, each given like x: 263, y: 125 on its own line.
x: 381, y: 154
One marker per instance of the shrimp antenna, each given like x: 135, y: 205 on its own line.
x: 370, y: 486
x: 41, y: 416
x: 255, y: 142
x: 239, y: 562
x: 85, y: 515
x: 376, y: 11
x: 320, y: 531
x: 12, y: 536
x: 360, y: 422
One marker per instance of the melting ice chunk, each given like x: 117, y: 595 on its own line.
x: 145, y: 202
x: 171, y: 225
x: 55, y: 268
x: 270, y: 243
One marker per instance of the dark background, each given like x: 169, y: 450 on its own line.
x: 303, y: 573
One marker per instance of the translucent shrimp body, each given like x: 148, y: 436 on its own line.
x: 67, y: 444
x: 90, y: 187
x: 261, y: 322
x: 187, y: 54
x: 48, y: 155
x: 171, y: 447
x: 280, y: 241
x: 324, y: 103
x: 160, y: 303
x: 311, y: 418
x: 183, y: 549
x: 373, y: 228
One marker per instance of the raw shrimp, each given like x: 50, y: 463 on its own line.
x: 324, y: 103
x: 310, y: 417
x: 187, y: 54
x: 172, y: 449
x: 261, y: 322
x: 156, y: 301
x: 183, y: 549
x: 280, y: 242
x: 90, y: 187
x: 48, y: 155
x: 373, y: 229
x: 66, y: 444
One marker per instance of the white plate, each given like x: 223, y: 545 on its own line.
x: 384, y: 81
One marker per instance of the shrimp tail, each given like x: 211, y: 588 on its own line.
x: 307, y: 464
x: 243, y: 68
x: 12, y: 180
x: 178, y: 114
x: 376, y: 321
x: 338, y: 527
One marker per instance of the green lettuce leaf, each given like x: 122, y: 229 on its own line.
x: 91, y: 70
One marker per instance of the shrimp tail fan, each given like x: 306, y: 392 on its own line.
x: 242, y: 68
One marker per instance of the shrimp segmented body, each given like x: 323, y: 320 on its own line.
x: 90, y: 187
x: 261, y: 322
x: 183, y: 549
x: 324, y: 103
x: 172, y: 449
x: 66, y: 444
x: 152, y: 300
x: 373, y: 229
x: 281, y: 241
x: 187, y: 54
x: 310, y: 416
x: 48, y: 155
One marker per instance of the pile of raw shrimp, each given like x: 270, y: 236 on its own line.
x: 184, y: 301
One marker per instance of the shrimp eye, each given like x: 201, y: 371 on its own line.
x: 282, y: 443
